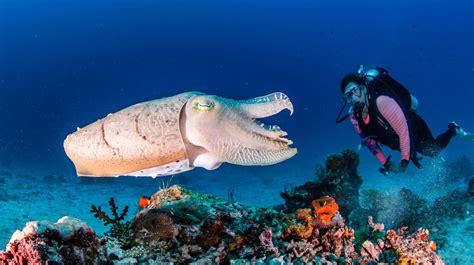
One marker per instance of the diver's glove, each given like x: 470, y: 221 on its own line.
x: 388, y: 167
x: 403, y: 165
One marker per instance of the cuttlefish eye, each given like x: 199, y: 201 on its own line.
x: 204, y: 105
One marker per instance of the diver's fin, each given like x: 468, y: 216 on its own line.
x: 467, y: 136
x: 460, y: 131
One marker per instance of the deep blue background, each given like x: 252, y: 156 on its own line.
x: 64, y: 64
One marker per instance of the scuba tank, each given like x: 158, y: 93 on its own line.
x: 382, y: 83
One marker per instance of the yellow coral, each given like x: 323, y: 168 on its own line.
x: 406, y: 261
x: 237, y: 243
x: 175, y: 192
x: 304, y: 215
x: 301, y: 231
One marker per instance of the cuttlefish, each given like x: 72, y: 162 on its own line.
x: 174, y: 134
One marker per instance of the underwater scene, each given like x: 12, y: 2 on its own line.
x: 236, y: 132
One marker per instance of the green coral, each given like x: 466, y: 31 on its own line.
x: 118, y: 229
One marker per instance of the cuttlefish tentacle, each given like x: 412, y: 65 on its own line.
x: 248, y: 137
x: 251, y: 156
x: 271, y: 104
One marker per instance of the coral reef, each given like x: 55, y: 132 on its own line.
x: 68, y: 241
x: 180, y: 226
x: 407, y: 209
x: 338, y: 179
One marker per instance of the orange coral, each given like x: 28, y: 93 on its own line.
x: 325, y: 208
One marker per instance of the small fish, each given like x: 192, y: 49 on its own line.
x: 144, y: 201
x: 432, y: 245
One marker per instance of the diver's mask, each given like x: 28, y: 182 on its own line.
x: 353, y: 91
x: 357, y: 91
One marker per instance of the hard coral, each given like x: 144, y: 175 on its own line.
x: 325, y: 208
x: 417, y: 246
x: 119, y: 229
x: 166, y: 196
x: 347, y: 160
x: 203, y: 229
x: 154, y: 225
x: 338, y: 179
x: 68, y: 241
x: 318, y: 232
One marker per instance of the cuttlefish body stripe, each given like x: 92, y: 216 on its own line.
x: 174, y: 134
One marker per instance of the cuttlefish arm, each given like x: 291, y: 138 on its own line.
x: 228, y: 129
x: 175, y: 134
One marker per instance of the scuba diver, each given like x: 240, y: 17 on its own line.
x: 382, y: 111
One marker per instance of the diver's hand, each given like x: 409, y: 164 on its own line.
x: 388, y: 167
x: 403, y: 165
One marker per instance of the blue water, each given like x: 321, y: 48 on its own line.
x: 64, y: 64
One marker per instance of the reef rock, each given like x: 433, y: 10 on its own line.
x: 69, y: 241
x: 338, y: 179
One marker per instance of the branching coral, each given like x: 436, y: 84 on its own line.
x: 119, y: 229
